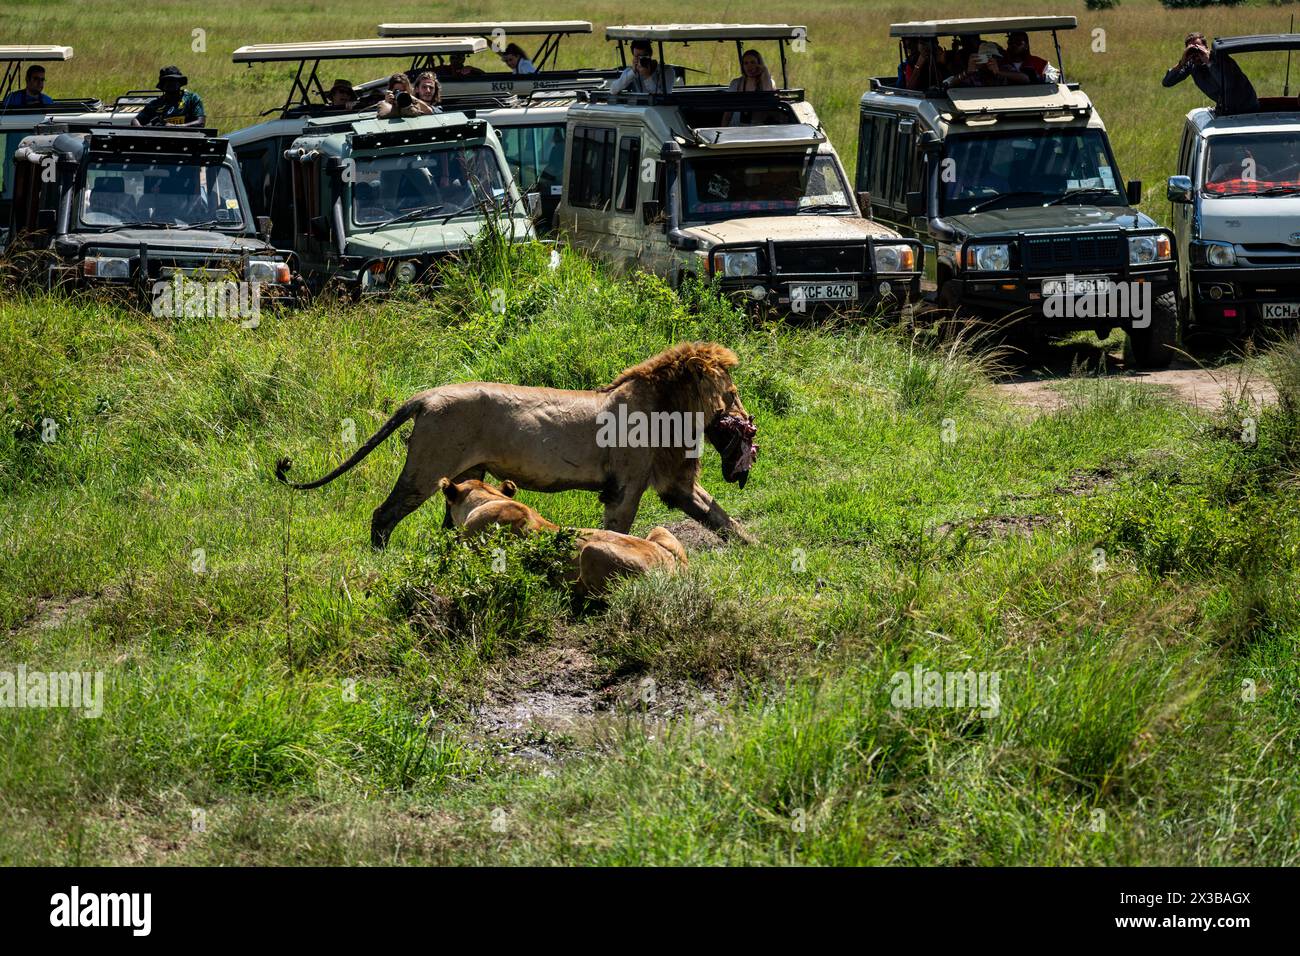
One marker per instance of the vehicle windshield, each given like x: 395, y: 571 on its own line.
x: 432, y: 184
x: 1028, y: 168
x: 179, y: 195
x: 727, y: 187
x: 1252, y: 164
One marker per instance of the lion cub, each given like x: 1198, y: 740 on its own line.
x: 602, y: 556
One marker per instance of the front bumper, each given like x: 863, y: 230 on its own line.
x: 1019, y: 290
x: 810, y: 277
x: 1233, y: 296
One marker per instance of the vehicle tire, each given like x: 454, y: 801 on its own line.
x: 1156, y: 345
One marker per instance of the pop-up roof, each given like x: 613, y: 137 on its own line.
x: 953, y: 28
x: 1267, y: 42
x: 355, y: 49
x: 687, y: 33
x: 500, y: 31
x: 15, y: 56
x: 314, y: 52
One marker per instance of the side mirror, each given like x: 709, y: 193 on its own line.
x: 264, y: 228
x: 650, y: 210
x: 1134, y: 192
x: 864, y: 203
x: 916, y: 204
x: 1179, y: 189
x: 534, y: 203
x: 320, y: 228
x: 930, y: 142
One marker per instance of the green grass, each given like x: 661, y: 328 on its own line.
x: 322, y: 703
x: 318, y: 699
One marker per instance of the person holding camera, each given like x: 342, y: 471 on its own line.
x: 1216, y: 75
x: 643, y: 75
x: 401, y: 99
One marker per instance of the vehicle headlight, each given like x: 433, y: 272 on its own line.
x: 106, y: 267
x: 736, y: 263
x: 895, y: 259
x: 1143, y: 250
x: 266, y: 270
x: 374, y: 276
x: 1220, y: 255
x: 989, y: 258
x: 406, y: 271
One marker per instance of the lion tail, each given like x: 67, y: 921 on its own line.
x: 400, y: 416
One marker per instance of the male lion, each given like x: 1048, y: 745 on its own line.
x: 547, y: 439
x: 602, y: 556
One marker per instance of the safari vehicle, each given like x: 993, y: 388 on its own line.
x: 1017, y: 190
x: 662, y: 182
x: 1236, y: 207
x: 383, y: 202
x: 131, y: 207
x: 527, y: 111
x: 18, y: 122
x: 269, y: 173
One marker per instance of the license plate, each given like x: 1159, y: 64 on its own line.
x: 1282, y: 310
x: 825, y: 292
x: 1082, y: 285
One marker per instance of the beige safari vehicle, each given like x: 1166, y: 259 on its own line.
x: 742, y: 188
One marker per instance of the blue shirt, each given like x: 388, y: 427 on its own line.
x: 19, y: 98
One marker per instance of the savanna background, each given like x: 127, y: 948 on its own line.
x: 1124, y: 560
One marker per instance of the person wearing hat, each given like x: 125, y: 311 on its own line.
x: 176, y: 107
x: 342, y: 94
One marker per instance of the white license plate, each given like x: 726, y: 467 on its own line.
x: 825, y: 292
x: 1082, y: 285
x: 1281, y: 310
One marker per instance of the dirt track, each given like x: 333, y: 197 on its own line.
x: 1205, y: 386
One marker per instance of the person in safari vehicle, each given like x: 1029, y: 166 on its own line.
x: 176, y: 107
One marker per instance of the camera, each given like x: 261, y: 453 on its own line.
x: 402, y: 99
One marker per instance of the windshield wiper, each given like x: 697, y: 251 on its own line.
x: 828, y: 207
x: 413, y: 214
x: 456, y: 212
x: 984, y: 204
x: 1278, y: 190
x: 146, y: 224
x: 1082, y: 191
x: 208, y: 224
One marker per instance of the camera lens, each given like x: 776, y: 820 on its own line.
x: 403, y: 99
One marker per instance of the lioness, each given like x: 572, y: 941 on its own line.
x: 602, y: 556
x: 548, y: 439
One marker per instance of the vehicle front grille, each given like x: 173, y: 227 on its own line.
x: 1065, y: 253
x: 1269, y: 254
x: 820, y: 258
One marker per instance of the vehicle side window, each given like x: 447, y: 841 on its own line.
x: 306, y: 195
x: 902, y: 165
x: 535, y: 155
x: 882, y: 169
x: 1185, y: 154
x: 591, y: 168
x: 629, y: 162
x: 866, y: 125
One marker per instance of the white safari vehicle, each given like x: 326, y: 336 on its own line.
x: 17, y: 122
x: 1236, y: 207
x: 745, y: 188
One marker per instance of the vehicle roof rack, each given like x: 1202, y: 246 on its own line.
x: 314, y: 52
x: 687, y: 33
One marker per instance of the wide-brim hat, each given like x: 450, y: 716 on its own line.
x: 171, y: 73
